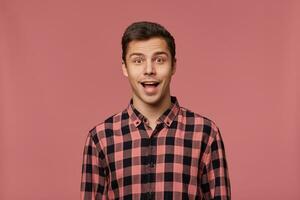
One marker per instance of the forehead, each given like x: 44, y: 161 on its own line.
x: 148, y: 47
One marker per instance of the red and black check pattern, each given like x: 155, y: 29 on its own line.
x: 183, y: 158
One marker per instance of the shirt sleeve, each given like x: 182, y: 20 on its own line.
x: 215, y: 183
x: 94, y: 170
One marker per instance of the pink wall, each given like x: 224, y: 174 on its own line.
x: 61, y: 74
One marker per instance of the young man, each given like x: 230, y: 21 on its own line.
x: 154, y: 149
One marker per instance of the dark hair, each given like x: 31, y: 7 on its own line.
x: 145, y: 30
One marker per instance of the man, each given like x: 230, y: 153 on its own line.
x: 154, y: 149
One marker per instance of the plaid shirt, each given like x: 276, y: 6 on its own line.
x: 182, y: 158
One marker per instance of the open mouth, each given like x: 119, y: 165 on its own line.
x: 150, y: 84
x: 150, y: 87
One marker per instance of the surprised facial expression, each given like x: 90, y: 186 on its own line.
x: 148, y: 67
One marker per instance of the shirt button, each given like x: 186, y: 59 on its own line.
x: 149, y: 195
x: 152, y: 164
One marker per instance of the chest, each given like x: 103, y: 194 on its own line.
x: 162, y: 150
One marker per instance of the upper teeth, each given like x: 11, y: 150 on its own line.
x: 149, y: 83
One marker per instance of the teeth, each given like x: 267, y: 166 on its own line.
x: 150, y: 83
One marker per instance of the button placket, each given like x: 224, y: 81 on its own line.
x: 151, y: 154
x: 151, y: 167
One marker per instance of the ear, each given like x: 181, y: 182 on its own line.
x: 174, y: 67
x: 124, y: 69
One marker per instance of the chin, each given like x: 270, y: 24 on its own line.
x: 152, y: 100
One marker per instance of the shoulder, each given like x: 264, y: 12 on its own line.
x: 107, y: 127
x: 206, y: 127
x: 206, y: 124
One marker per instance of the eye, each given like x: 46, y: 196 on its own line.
x: 160, y: 60
x: 138, y: 60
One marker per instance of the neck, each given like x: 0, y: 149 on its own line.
x: 152, y: 111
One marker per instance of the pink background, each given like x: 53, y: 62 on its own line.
x: 238, y: 64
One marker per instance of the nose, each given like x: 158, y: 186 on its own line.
x: 150, y: 68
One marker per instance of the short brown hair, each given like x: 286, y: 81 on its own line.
x: 145, y: 30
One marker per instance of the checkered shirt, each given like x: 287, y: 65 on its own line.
x: 182, y: 158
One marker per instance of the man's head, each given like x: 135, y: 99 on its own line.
x: 148, y: 62
x: 145, y: 30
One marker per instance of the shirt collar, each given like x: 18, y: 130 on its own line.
x: 167, y: 117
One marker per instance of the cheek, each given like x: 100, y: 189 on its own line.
x: 135, y: 73
x: 133, y: 79
x: 164, y: 69
x: 166, y: 74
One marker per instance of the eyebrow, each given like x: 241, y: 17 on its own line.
x: 155, y: 54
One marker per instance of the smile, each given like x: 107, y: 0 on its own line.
x: 150, y: 87
x: 150, y: 84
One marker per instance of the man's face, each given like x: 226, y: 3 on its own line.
x: 149, y: 69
